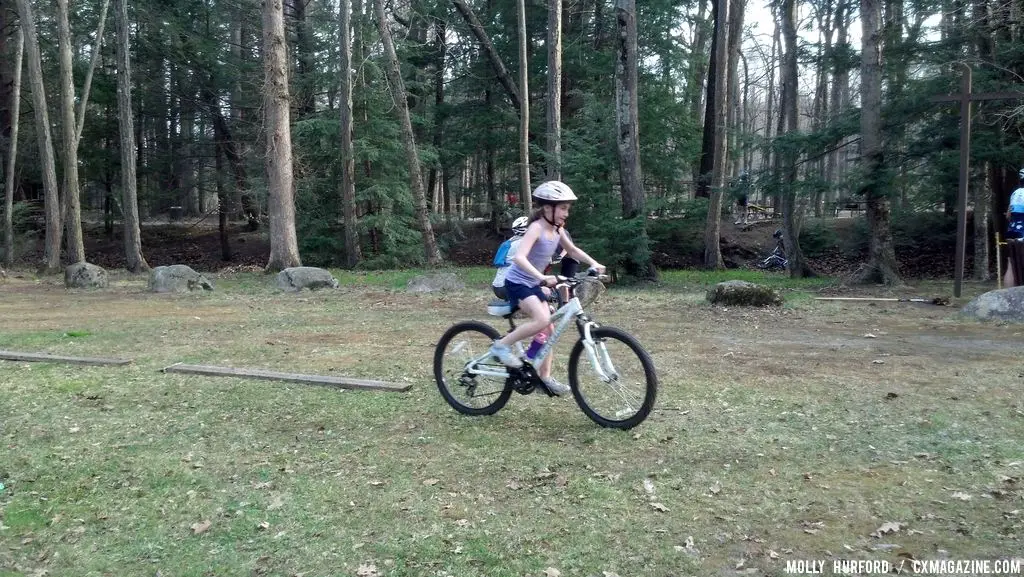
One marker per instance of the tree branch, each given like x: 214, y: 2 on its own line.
x: 499, y: 66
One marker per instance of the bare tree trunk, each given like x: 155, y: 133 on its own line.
x: 747, y: 117
x: 72, y: 194
x: 716, y: 87
x: 440, y: 55
x: 839, y: 78
x: 821, y: 101
x: 628, y: 132
x: 284, y: 246
x: 716, y: 153
x: 982, y: 204
x: 12, y: 152
x: 402, y: 105
x: 87, y: 85
x: 305, y: 83
x: 51, y: 202
x: 237, y: 38
x: 699, y: 70
x: 223, y: 204
x: 881, y: 266
x: 766, y: 152
x: 732, y: 105
x: 134, y: 261
x: 627, y: 110
x: 348, y: 157
x: 524, y: 111
x: 554, y: 108
x: 496, y: 62
x: 982, y: 191
x: 791, y: 217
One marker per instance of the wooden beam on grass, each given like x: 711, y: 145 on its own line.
x: 46, y: 358
x: 940, y: 301
x: 339, y: 382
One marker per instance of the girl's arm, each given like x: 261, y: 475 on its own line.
x: 525, y: 246
x: 577, y: 253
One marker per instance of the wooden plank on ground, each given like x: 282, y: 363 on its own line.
x: 339, y: 382
x: 47, y: 358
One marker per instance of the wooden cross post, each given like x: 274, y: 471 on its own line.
x: 965, y: 97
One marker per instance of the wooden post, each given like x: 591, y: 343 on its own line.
x: 965, y: 98
x: 961, y: 195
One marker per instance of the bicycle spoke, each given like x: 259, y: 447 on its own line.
x: 460, y: 364
x: 623, y: 395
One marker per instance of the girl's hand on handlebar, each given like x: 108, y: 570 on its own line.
x: 549, y: 280
x: 598, y: 267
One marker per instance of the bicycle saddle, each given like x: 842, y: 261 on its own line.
x: 500, y: 308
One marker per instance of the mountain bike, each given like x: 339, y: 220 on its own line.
x: 777, y: 259
x: 611, y: 375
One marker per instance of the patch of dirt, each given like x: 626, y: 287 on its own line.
x: 196, y: 245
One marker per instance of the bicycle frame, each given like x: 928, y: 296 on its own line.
x: 571, y: 311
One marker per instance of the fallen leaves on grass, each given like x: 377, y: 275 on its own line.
x: 886, y: 528
x: 367, y: 570
x: 961, y: 495
x: 552, y: 572
x: 201, y: 527
x: 660, y: 507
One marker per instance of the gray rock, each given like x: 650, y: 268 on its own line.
x: 433, y: 282
x: 998, y: 305
x: 588, y: 291
x: 744, y: 294
x: 85, y: 275
x: 297, y: 278
x: 177, y: 278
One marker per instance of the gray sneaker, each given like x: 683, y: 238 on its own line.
x: 504, y: 353
x: 556, y: 388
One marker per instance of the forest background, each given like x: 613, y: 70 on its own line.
x: 373, y: 134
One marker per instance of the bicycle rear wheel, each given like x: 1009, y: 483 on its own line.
x: 626, y: 396
x: 467, y: 393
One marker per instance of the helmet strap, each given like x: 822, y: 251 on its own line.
x: 551, y: 220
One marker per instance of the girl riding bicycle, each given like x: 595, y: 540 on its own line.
x: 526, y: 284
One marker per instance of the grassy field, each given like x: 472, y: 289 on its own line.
x: 818, y: 431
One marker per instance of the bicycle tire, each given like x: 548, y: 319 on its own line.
x: 443, y: 384
x: 650, y: 389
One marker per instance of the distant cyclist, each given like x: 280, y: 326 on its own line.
x: 1014, y: 228
x: 1015, y: 212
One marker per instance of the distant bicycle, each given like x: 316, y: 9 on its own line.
x: 615, y: 386
x: 777, y: 259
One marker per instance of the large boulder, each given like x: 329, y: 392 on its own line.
x: 297, y: 278
x: 433, y: 282
x: 588, y: 291
x: 85, y: 275
x: 744, y: 294
x: 177, y: 278
x: 998, y: 305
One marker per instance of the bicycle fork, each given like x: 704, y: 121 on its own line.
x: 597, y: 353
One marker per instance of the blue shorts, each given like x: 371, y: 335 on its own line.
x: 518, y: 292
x: 1015, y: 228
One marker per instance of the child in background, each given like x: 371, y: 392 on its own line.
x: 507, y: 252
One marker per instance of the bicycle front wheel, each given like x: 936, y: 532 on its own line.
x: 459, y: 354
x: 615, y: 387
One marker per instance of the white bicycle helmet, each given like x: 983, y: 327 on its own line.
x: 553, y: 192
x: 519, y: 225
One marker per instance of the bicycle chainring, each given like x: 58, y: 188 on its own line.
x: 523, y: 380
